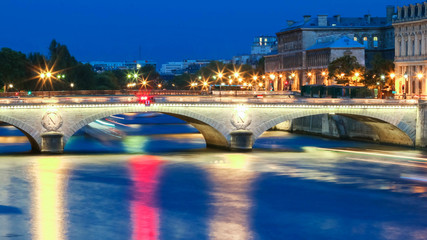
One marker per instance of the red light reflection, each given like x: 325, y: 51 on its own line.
x: 145, y: 217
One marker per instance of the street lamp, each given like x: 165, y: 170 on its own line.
x: 72, y: 85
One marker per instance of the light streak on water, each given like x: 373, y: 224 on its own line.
x: 48, y: 216
x: 231, y: 188
x: 144, y: 210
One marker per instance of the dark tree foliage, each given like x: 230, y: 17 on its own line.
x: 13, y: 67
x: 379, y: 75
x: 343, y: 70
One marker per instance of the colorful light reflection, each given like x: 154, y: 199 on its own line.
x: 145, y: 216
x: 49, y: 200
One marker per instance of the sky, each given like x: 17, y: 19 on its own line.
x: 160, y: 30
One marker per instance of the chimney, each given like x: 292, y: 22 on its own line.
x: 338, y: 19
x: 290, y: 22
x: 368, y: 18
x: 307, y: 18
x: 322, y: 20
x: 390, y: 13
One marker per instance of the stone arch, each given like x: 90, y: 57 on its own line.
x: 33, y: 136
x: 376, y: 122
x: 212, y: 131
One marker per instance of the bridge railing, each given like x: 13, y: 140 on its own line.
x: 271, y: 99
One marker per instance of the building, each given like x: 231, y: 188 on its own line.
x: 305, y: 48
x: 264, y: 45
x: 410, y: 28
x: 186, y: 66
x: 101, y: 66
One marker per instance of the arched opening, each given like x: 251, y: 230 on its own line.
x: 139, y: 132
x: 16, y: 140
x: 332, y: 126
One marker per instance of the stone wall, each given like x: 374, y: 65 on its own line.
x: 344, y: 127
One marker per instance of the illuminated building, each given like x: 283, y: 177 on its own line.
x: 300, y: 41
x: 411, y: 50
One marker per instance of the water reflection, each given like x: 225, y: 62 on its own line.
x: 184, y: 202
x: 144, y: 210
x: 231, y: 180
x: 49, y: 199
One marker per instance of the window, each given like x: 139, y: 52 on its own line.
x: 365, y: 42
x: 375, y: 42
x: 355, y: 39
x: 413, y: 47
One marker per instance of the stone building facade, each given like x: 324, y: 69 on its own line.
x: 410, y: 28
x: 301, y: 60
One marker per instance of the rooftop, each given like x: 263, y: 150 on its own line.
x: 343, y: 42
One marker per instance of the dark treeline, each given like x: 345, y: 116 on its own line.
x: 21, y: 72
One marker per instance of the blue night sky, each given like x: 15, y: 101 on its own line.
x: 166, y: 30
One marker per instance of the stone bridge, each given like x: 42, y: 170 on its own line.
x: 234, y: 126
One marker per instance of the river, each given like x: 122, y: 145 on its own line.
x: 153, y: 178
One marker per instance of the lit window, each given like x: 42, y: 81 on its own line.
x: 355, y: 39
x: 265, y: 40
x: 375, y: 42
x: 365, y: 41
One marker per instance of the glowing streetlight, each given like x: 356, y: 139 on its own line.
x: 420, y: 75
x: 236, y: 74
x: 356, y: 74
x: 159, y: 85
x: 272, y: 76
x: 293, y: 74
x: 240, y: 79
x: 220, y: 75
x: 382, y: 77
x: 309, y: 74
x: 392, y: 75
x: 260, y: 84
x: 72, y: 85
x: 323, y: 73
x: 42, y: 75
x: 10, y: 85
x: 255, y: 78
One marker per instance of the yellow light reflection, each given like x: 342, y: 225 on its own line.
x: 49, y: 200
x: 231, y: 190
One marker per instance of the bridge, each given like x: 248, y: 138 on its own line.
x: 227, y: 122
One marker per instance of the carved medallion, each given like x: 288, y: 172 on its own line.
x: 52, y: 121
x: 241, y: 120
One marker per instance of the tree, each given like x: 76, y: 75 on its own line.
x: 13, y: 67
x: 346, y: 70
x: 379, y: 75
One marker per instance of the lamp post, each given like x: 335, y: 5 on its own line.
x: 272, y: 77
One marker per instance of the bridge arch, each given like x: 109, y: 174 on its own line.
x: 29, y: 131
x: 211, y: 130
x: 385, y: 126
